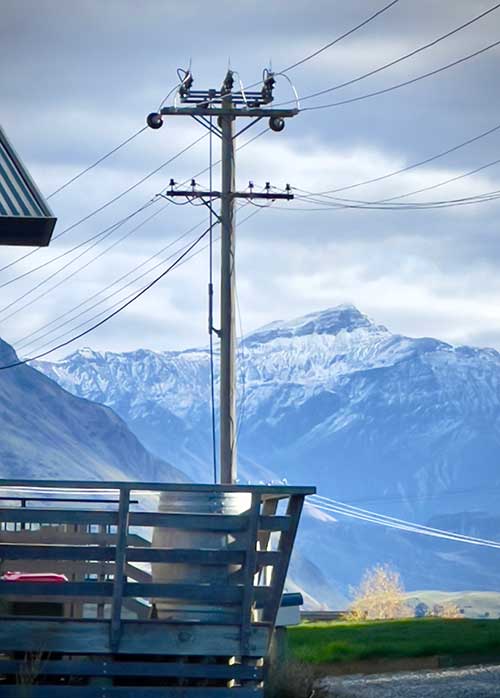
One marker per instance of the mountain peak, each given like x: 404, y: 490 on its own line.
x: 345, y: 317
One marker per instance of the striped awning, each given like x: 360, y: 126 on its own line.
x: 25, y: 217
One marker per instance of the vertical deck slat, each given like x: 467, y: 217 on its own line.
x: 269, y: 508
x: 280, y: 570
x: 119, y: 579
x: 249, y: 573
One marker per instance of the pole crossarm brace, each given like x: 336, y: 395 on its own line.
x: 188, y: 193
x: 209, y: 110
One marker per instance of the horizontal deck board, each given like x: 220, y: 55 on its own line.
x: 61, y: 590
x: 145, y: 668
x: 138, y: 637
x: 265, y: 490
x: 11, y: 551
x: 187, y: 555
x: 186, y: 522
x: 104, y: 553
x: 100, y: 591
x: 58, y: 516
x: 190, y: 521
x: 51, y: 535
x: 134, y: 692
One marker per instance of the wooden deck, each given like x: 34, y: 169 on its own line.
x: 108, y: 640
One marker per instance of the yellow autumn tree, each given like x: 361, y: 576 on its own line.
x: 380, y: 596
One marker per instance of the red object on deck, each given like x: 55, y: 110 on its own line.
x: 33, y: 577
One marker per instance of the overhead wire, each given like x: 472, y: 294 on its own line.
x: 96, y: 236
x: 392, y: 205
x: 107, y: 231
x: 339, y: 38
x: 22, y: 342
x: 443, y: 183
x: 39, y: 349
x: 258, y: 135
x: 210, y: 310
x: 115, y: 304
x: 107, y: 155
x: 99, y: 209
x: 414, y: 165
x: 406, y: 498
x: 97, y: 162
x: 335, y: 502
x: 405, y: 57
x: 327, y: 504
x: 111, y: 315
x: 405, y: 82
x: 71, y: 275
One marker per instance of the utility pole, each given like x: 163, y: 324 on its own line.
x: 227, y: 105
x: 228, y: 425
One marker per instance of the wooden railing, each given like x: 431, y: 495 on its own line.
x: 105, y: 549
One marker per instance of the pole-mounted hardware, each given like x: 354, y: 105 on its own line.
x: 227, y: 104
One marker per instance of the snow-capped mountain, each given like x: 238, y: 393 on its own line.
x: 47, y: 433
x: 407, y: 426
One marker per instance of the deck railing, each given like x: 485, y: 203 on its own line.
x: 99, y: 535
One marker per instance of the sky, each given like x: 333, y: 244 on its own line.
x: 78, y: 78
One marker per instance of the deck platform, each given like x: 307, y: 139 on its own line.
x: 108, y: 639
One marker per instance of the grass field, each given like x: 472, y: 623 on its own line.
x: 320, y: 643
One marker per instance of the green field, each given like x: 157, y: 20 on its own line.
x: 323, y: 643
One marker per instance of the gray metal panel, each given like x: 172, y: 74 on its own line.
x: 25, y: 217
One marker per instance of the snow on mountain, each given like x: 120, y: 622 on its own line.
x: 404, y: 426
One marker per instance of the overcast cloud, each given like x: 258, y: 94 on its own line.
x: 77, y: 78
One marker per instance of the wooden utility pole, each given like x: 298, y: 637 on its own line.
x: 228, y: 462
x: 227, y: 105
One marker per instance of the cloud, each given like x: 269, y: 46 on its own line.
x: 78, y: 79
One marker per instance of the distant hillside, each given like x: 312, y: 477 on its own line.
x: 48, y: 433
x: 474, y: 604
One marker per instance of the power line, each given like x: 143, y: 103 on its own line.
x: 107, y: 155
x: 406, y: 82
x: 401, y: 524
x: 115, y: 312
x: 407, y: 207
x: 415, y: 164
x: 384, y: 517
x: 338, y: 204
x: 389, y: 205
x: 73, y: 273
x: 394, y: 62
x: 339, y: 38
x: 104, y: 206
x: 102, y: 234
x: 424, y: 497
x: 115, y: 293
x: 210, y: 309
x: 444, y: 182
x: 22, y: 343
x: 113, y: 305
x: 97, y: 162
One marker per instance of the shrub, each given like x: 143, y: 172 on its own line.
x: 380, y: 596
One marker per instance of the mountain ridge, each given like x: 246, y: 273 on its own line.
x: 336, y: 400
